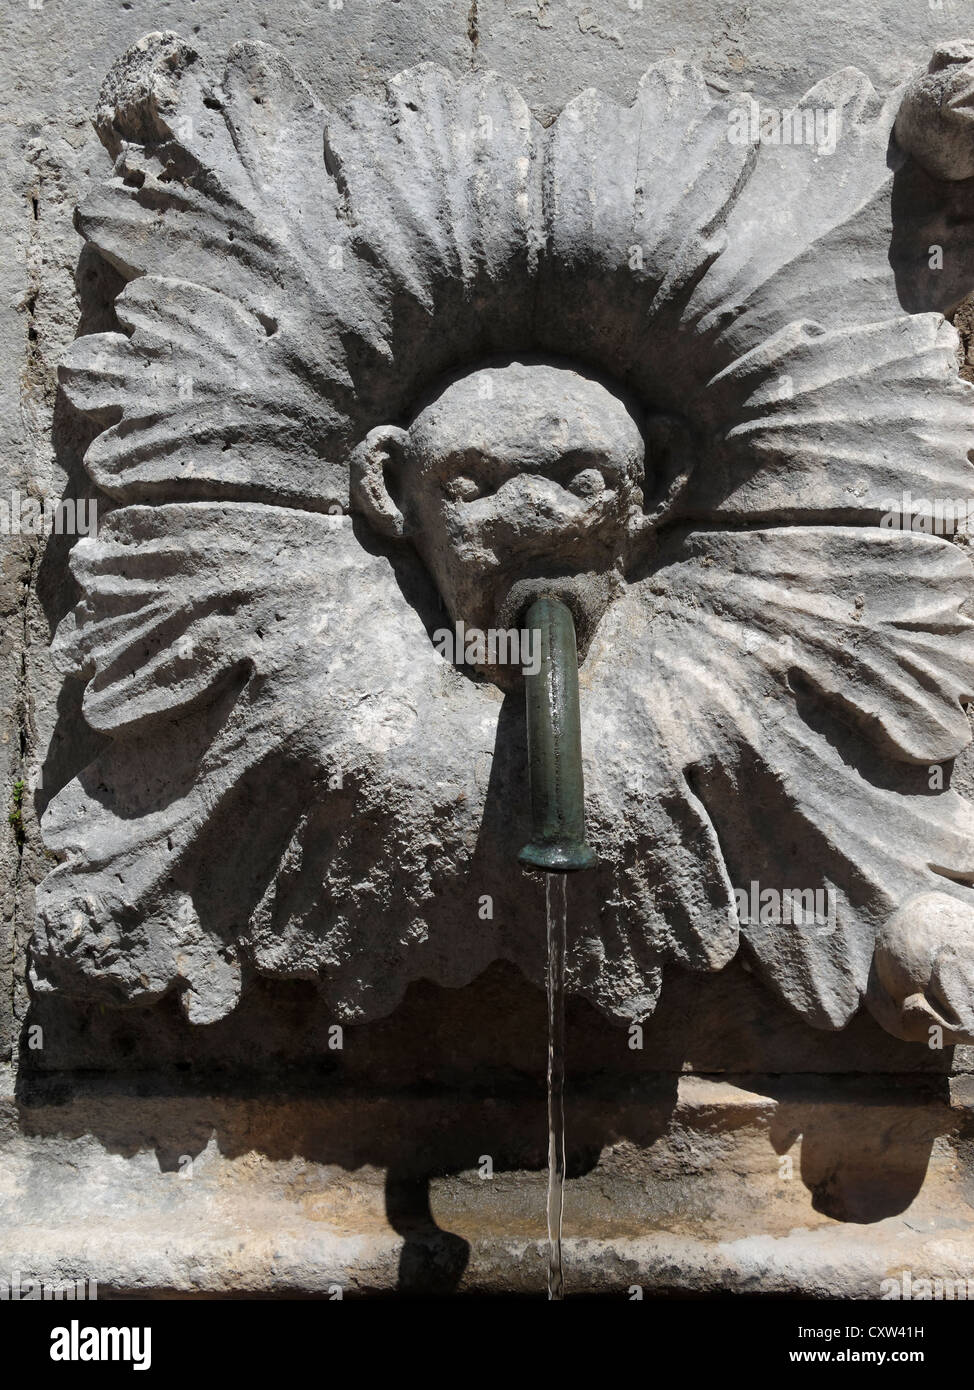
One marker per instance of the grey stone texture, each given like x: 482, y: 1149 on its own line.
x: 682, y: 1194
x: 248, y: 1017
x: 294, y: 276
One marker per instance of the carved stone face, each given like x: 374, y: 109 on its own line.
x: 758, y: 554
x: 511, y: 474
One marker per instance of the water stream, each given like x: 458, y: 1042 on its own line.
x: 555, y: 905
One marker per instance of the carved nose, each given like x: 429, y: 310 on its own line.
x: 533, y: 500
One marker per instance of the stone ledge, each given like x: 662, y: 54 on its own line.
x: 729, y: 1190
x: 304, y: 1260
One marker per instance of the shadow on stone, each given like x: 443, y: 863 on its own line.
x: 432, y: 1261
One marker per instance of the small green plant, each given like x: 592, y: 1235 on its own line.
x: 16, y: 816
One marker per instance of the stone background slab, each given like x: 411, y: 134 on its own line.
x: 52, y: 61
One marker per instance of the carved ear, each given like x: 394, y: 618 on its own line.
x: 377, y: 459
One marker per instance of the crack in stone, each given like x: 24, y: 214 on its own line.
x: 473, y: 31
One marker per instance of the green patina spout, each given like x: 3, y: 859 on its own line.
x: 555, y: 746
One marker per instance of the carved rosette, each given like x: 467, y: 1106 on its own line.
x: 296, y: 784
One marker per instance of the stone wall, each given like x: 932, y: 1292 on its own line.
x: 359, y: 1167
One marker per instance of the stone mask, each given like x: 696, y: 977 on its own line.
x: 508, y: 476
x: 290, y: 781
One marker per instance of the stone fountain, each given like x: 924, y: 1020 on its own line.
x: 376, y: 385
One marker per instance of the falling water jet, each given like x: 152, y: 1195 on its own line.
x: 558, y: 847
x: 556, y: 914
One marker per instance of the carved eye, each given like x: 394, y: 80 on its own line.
x: 462, y: 489
x: 588, y: 483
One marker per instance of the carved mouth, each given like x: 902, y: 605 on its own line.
x: 587, y: 595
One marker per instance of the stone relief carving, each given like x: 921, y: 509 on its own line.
x: 375, y: 369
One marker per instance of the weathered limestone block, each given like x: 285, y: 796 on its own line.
x: 702, y: 400
x: 359, y: 1181
x: 696, y: 1186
